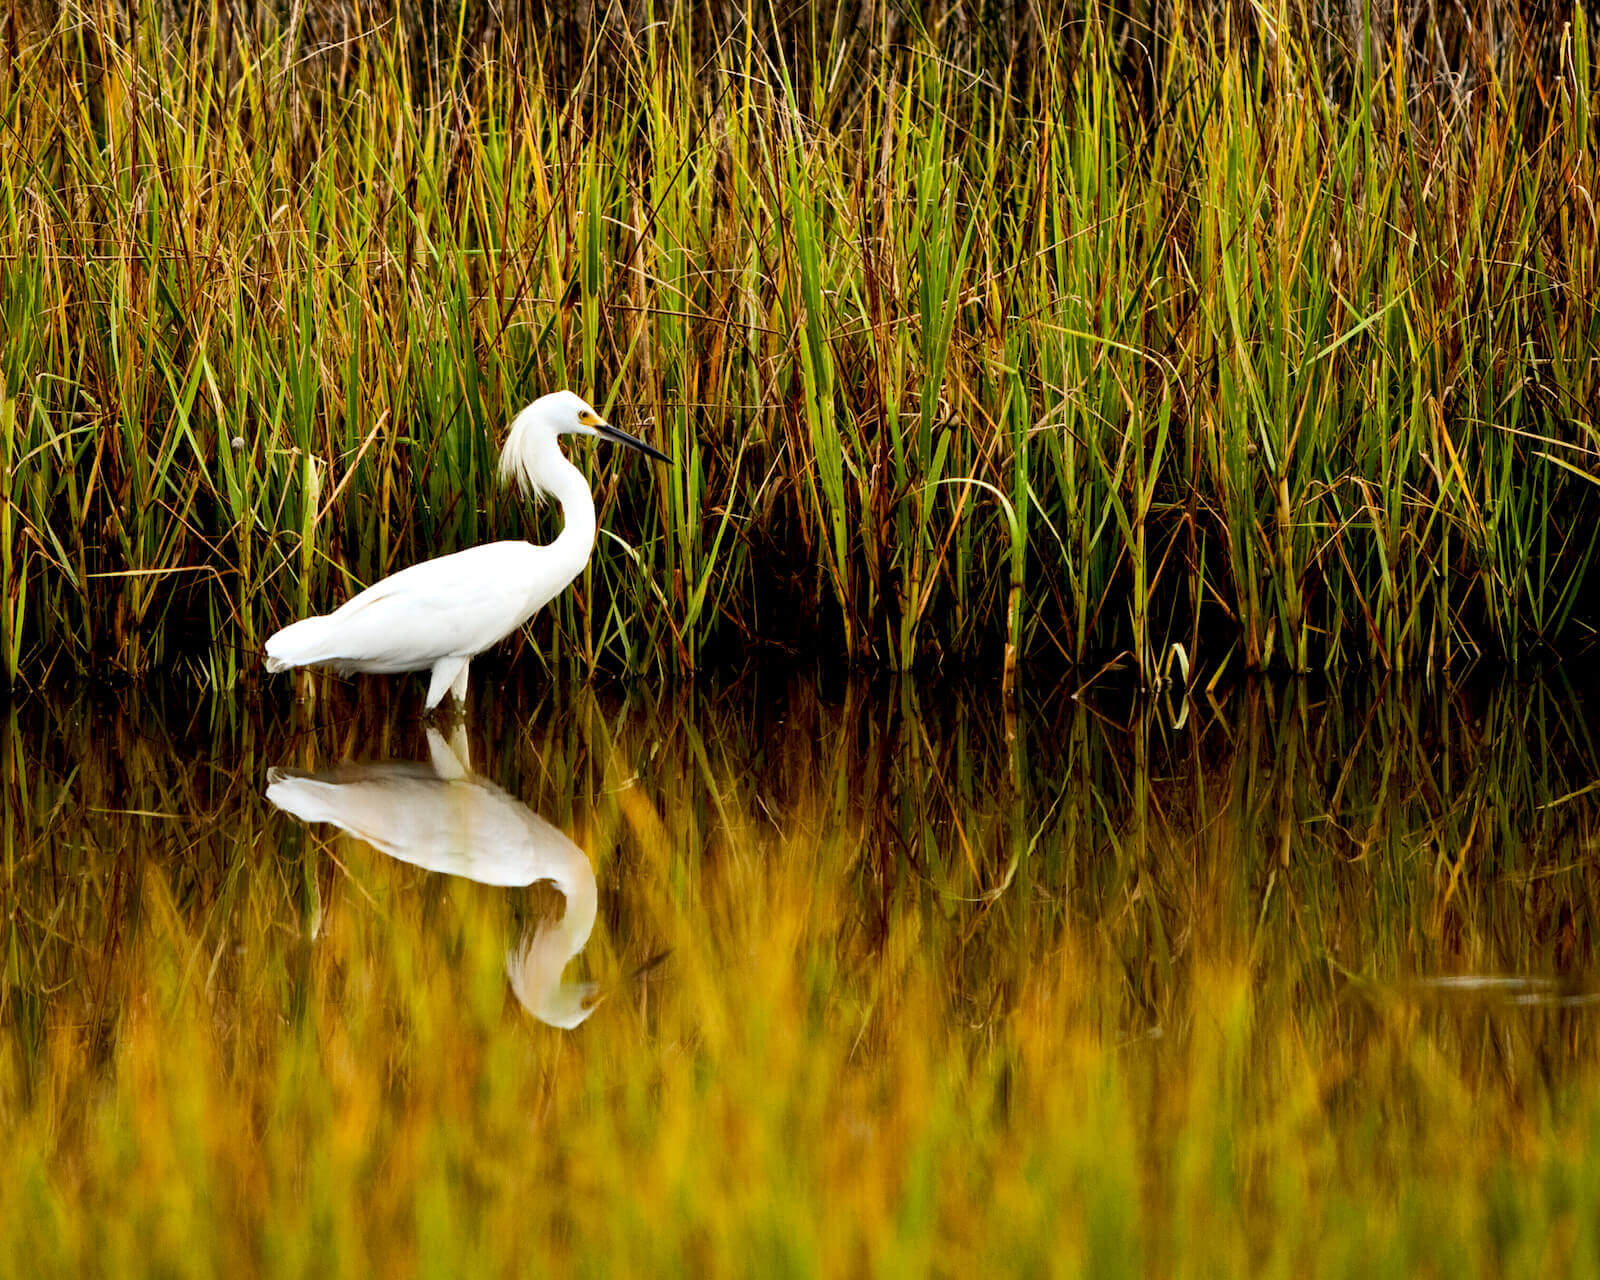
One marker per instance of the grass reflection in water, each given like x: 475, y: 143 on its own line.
x: 1299, y: 985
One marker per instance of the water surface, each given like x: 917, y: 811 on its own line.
x: 769, y: 976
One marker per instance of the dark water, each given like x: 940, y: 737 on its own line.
x: 866, y: 872
x: 1420, y: 842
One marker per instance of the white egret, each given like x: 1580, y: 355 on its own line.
x: 442, y: 613
x: 445, y: 818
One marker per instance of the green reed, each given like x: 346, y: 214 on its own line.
x: 1276, y: 344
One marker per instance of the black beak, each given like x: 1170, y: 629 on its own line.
x: 609, y: 432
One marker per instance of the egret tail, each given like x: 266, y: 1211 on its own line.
x: 299, y: 644
x: 323, y: 641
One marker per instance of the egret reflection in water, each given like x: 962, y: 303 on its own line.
x: 442, y: 817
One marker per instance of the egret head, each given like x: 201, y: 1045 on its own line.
x: 535, y: 975
x: 533, y: 434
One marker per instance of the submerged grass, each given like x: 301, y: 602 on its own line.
x: 945, y: 993
x: 1267, y: 333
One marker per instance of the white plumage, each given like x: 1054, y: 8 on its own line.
x: 445, y: 818
x: 440, y: 614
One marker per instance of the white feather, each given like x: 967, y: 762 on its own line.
x: 443, y: 612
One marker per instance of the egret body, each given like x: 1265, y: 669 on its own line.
x: 438, y: 615
x: 443, y: 817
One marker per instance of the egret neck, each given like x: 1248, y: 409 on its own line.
x: 535, y: 965
x: 549, y: 472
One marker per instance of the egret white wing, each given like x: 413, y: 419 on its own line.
x: 455, y: 604
x: 462, y: 826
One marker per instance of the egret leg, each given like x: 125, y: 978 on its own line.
x: 448, y: 674
x: 458, y: 686
x: 452, y: 760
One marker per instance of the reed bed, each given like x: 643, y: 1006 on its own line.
x: 1271, y: 333
x: 1077, y: 992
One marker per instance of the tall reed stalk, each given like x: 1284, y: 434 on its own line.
x: 1267, y: 334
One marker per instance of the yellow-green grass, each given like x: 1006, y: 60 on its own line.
x: 1075, y: 992
x: 1273, y: 333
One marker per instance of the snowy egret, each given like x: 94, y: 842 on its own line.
x: 442, y: 613
x: 448, y: 819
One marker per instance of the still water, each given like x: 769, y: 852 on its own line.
x: 777, y: 975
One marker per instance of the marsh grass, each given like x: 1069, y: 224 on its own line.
x: 1266, y: 334
x: 1076, y: 992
